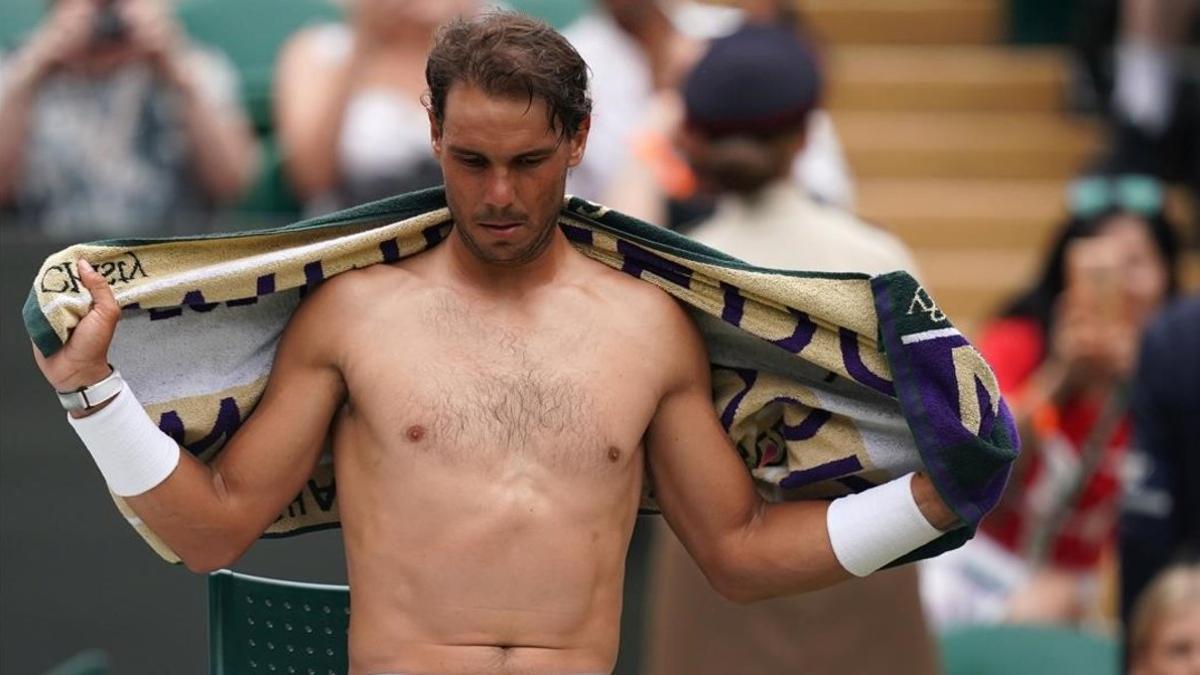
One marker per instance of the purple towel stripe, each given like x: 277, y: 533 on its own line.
x: 390, y: 250
x: 636, y: 260
x: 433, y: 235
x: 835, y: 469
x: 313, y: 274
x: 735, y: 305
x: 266, y: 284
x: 854, y: 365
x: 801, y: 336
x: 809, y: 427
x: 577, y: 234
x: 195, y: 300
x: 748, y: 377
x: 229, y: 418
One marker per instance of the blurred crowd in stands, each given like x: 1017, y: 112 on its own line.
x: 710, y: 119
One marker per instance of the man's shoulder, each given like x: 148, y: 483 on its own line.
x: 632, y: 296
x: 644, y: 315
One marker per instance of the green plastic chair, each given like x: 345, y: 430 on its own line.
x: 260, y: 625
x: 1027, y: 650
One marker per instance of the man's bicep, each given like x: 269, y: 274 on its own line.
x: 267, y: 461
x: 700, y: 481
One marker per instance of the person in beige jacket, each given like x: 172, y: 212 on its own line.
x: 747, y: 103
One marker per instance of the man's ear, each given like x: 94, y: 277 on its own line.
x: 435, y: 134
x: 579, y: 142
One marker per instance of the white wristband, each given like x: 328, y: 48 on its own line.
x: 874, y: 527
x: 132, y: 453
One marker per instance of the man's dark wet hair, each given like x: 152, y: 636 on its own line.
x: 510, y: 54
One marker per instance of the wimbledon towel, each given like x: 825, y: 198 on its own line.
x: 826, y: 383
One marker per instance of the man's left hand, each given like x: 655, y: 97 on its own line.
x: 931, y: 505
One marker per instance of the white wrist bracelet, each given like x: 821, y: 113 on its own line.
x: 132, y: 453
x: 874, y: 527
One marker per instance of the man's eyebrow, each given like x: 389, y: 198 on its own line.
x: 535, y: 152
x: 548, y: 150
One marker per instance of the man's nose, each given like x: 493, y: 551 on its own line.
x: 499, y: 189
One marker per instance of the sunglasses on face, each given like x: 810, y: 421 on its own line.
x: 1091, y: 196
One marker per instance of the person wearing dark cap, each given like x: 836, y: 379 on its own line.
x: 747, y: 103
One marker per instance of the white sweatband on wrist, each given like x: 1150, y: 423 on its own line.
x: 874, y: 527
x: 132, y: 453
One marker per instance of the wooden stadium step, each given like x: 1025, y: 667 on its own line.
x: 965, y: 144
x: 946, y: 78
x: 955, y: 212
x: 905, y: 21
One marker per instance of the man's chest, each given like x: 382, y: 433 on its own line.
x: 479, y: 394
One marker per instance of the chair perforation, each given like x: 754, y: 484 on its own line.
x: 281, y: 628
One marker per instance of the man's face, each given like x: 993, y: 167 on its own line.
x: 505, y: 171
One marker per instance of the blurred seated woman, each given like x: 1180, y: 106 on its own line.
x: 1063, y: 352
x: 113, y: 123
x: 1164, y: 635
x: 348, y: 103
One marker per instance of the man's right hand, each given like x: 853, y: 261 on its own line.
x: 83, y: 360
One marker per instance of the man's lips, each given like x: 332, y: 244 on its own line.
x: 501, y: 227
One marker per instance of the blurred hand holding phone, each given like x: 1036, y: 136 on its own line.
x: 1095, y: 335
x: 108, y: 25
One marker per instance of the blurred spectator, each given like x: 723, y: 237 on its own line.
x: 1165, y: 631
x: 1160, y: 511
x: 1147, y: 80
x: 747, y: 107
x: 348, y: 106
x: 1063, y: 352
x: 638, y: 52
x: 112, y: 123
x: 1136, y: 58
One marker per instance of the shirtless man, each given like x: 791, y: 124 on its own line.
x: 494, y: 403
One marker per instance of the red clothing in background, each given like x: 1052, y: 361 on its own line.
x: 1014, y: 347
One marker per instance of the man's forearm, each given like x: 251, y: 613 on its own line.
x: 793, y: 547
x: 785, y: 549
x: 179, y: 498
x: 195, y: 515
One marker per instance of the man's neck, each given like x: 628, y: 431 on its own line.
x: 507, y: 280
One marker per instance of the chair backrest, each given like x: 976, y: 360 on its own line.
x: 272, y: 626
x: 1028, y: 650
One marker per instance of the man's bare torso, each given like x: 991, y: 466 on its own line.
x: 490, y: 464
